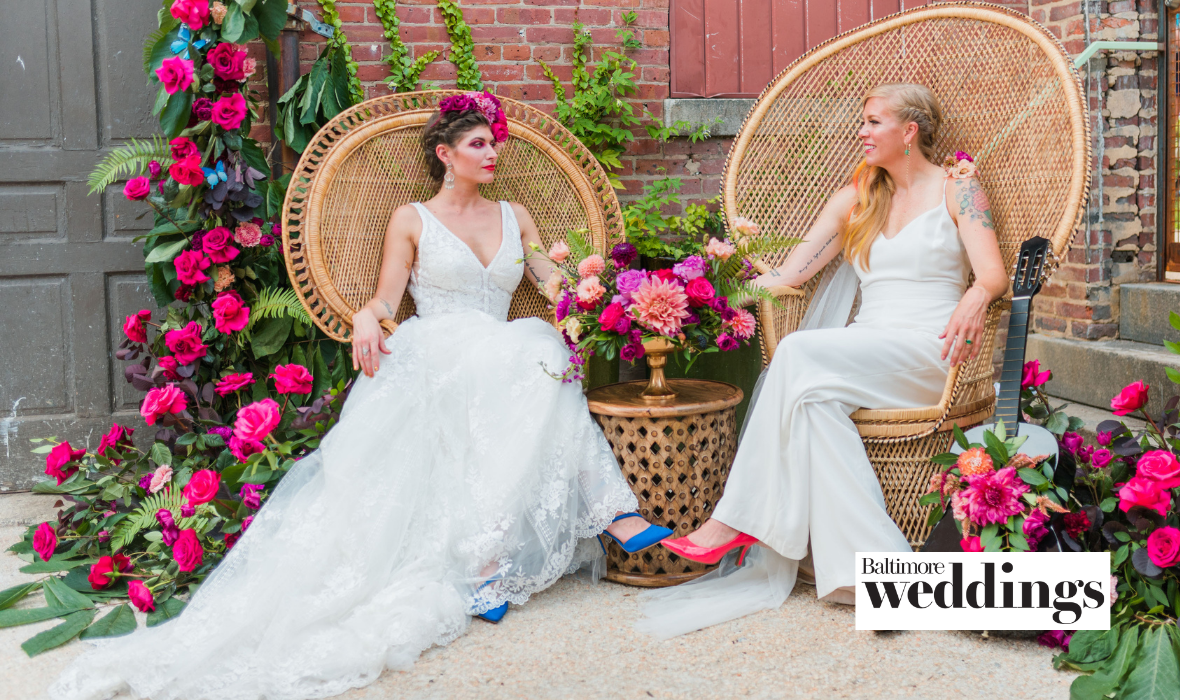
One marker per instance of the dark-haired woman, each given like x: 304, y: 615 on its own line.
x: 461, y: 475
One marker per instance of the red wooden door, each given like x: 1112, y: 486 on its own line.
x: 733, y: 48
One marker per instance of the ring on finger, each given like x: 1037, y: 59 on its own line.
x: 967, y: 341
x: 364, y: 351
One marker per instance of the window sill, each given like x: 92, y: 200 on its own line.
x: 705, y: 110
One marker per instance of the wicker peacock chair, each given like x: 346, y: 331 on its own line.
x: 369, y: 160
x: 1010, y: 97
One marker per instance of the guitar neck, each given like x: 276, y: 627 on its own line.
x: 1008, y: 402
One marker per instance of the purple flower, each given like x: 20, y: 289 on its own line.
x: 1071, y: 442
x: 267, y: 241
x: 563, y: 307
x: 631, y: 352
x: 145, y: 481
x: 246, y: 522
x: 168, y: 526
x: 623, y: 254
x: 187, y: 511
x: 155, y: 169
x: 251, y: 495
x: 629, y: 280
x: 692, y: 267
x: 1055, y: 638
x: 727, y: 342
x: 727, y: 313
x: 203, y: 109
x: 276, y: 230
x: 690, y: 319
x: 1103, y: 438
x: 224, y: 431
x: 719, y: 303
x: 198, y: 237
x: 636, y: 336
x: 457, y: 103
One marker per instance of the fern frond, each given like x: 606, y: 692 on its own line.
x: 273, y: 302
x: 128, y: 159
x: 145, y: 515
x: 167, y: 24
x: 580, y: 248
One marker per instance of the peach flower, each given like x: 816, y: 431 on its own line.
x: 720, y: 249
x: 590, y: 290
x: 661, y: 306
x: 591, y: 266
x: 559, y: 251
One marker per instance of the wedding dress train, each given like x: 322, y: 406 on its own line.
x: 460, y: 451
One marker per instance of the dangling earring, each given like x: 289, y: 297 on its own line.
x: 909, y: 180
x: 449, y: 178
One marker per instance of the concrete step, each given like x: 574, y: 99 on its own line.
x: 1092, y: 372
x: 1144, y: 309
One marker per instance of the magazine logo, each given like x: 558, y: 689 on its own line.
x: 983, y: 591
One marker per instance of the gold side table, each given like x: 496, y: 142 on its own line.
x: 675, y: 452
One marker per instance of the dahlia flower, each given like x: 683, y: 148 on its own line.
x: 993, y: 497
x: 660, y: 305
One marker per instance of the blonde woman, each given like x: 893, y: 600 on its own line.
x: 912, y: 235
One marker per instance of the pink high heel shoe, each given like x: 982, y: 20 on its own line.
x: 685, y: 548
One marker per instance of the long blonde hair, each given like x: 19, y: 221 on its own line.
x: 874, y: 187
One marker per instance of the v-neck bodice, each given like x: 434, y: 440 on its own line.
x: 448, y: 277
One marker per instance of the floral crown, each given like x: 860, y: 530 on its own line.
x: 483, y: 102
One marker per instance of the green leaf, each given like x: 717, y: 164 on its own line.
x: 995, y: 447
x: 166, y: 252
x: 1018, y: 541
x: 1108, y: 504
x: 159, y: 46
x: 254, y: 156
x: 1172, y: 374
x: 116, y: 623
x: 176, y: 113
x: 1174, y: 319
x: 67, y: 630
x: 12, y: 596
x: 130, y: 159
x: 50, y: 487
x: 14, y: 618
x: 161, y: 100
x: 58, y: 563
x: 247, y: 5
x: 1057, y: 423
x: 960, y: 438
x: 1155, y: 674
x: 160, y: 454
x: 233, y: 25
x: 1032, y: 476
x: 269, y: 335
x: 66, y: 597
x: 271, y: 16
x: 1093, y: 645
x: 164, y: 612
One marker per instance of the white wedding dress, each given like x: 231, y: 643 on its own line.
x: 801, y: 471
x: 460, y: 451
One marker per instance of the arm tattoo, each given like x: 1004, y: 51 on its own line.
x: 819, y: 252
x: 973, y: 203
x: 388, y: 308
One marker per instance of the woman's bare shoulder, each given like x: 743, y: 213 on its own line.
x: 405, y: 221
x: 843, y: 200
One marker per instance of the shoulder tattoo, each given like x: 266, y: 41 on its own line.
x: 974, y: 205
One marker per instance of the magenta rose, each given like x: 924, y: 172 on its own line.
x: 1163, y: 547
x: 187, y: 171
x: 203, y: 108
x: 1035, y: 526
x: 167, y: 526
x: 57, y: 459
x: 230, y: 313
x: 185, y: 343
x: 187, y: 551
x: 971, y: 544
x: 292, y: 379
x: 117, y: 436
x: 613, y: 316
x: 1032, y: 375
x: 228, y: 62
x: 154, y: 169
x: 631, y: 352
x: 102, y: 573
x: 182, y: 147
x: 1141, y: 491
x: 1101, y: 458
x: 251, y: 495
x: 176, y: 74
x: 242, y: 449
x: 45, y: 541
x: 137, y: 188
x: 699, y: 291
x: 233, y: 382
x: 202, y: 487
x: 1132, y: 398
x: 1160, y: 466
x: 194, y: 13
x: 168, y: 365
x: 216, y: 243
x: 1104, y: 438
x: 140, y: 595
x: 255, y: 421
x: 726, y: 342
x: 190, y: 266
x: 161, y: 401
x: 229, y: 111
x: 500, y: 128
x: 1071, y: 442
x: 133, y: 326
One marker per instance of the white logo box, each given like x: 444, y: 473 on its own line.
x: 982, y: 591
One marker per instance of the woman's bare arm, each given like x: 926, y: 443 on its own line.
x: 537, y: 265
x: 397, y: 258
x: 819, y: 247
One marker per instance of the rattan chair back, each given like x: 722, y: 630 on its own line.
x: 369, y: 160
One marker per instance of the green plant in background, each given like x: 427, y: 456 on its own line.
x: 332, y: 17
x: 656, y: 235
x: 468, y: 76
x: 403, y: 71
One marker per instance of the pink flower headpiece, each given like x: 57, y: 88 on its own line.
x: 483, y: 102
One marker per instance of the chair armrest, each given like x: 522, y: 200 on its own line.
x: 389, y: 327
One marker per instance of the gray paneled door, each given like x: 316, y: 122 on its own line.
x: 71, y: 88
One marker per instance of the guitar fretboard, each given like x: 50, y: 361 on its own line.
x: 1008, y: 402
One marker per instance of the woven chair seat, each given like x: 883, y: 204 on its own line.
x: 369, y: 160
x: 1010, y: 97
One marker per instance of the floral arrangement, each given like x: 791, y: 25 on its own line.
x: 606, y: 308
x: 483, y: 102
x: 960, y: 165
x: 238, y: 382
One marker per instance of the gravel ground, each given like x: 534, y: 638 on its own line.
x: 576, y: 640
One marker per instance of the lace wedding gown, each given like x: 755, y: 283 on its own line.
x: 460, y: 451
x: 801, y: 472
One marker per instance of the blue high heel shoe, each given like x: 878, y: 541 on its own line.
x: 495, y: 614
x: 641, y: 541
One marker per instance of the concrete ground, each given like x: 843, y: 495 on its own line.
x: 575, y: 641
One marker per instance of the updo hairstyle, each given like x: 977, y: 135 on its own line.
x: 448, y: 128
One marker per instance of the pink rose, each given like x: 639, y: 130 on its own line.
x: 1163, y: 547
x: 133, y: 326
x: 186, y: 343
x: 1141, y: 491
x: 202, y: 487
x: 216, y: 244
x: 248, y: 234
x: 1071, y: 442
x: 176, y: 74
x: 248, y: 67
x: 233, y: 382
x: 187, y: 171
x: 971, y: 544
x: 118, y: 436
x: 102, y: 573
x: 559, y: 251
x: 1132, y: 398
x: 1101, y: 458
x: 719, y: 249
x: 1032, y: 375
x: 227, y: 61
x: 60, y: 456
x: 1160, y: 466
x: 160, y: 478
x: 45, y: 541
x: 190, y: 266
x: 140, y: 595
x: 292, y: 379
x: 168, y: 365
x: 230, y: 313
x: 614, y: 318
x: 1035, y: 526
x: 699, y: 291
x: 1104, y: 438
x: 242, y: 449
x: 162, y: 401
x: 500, y: 128
x: 187, y: 551
x: 182, y: 147
x: 137, y: 188
x: 191, y: 12
x: 257, y: 420
x: 229, y: 111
